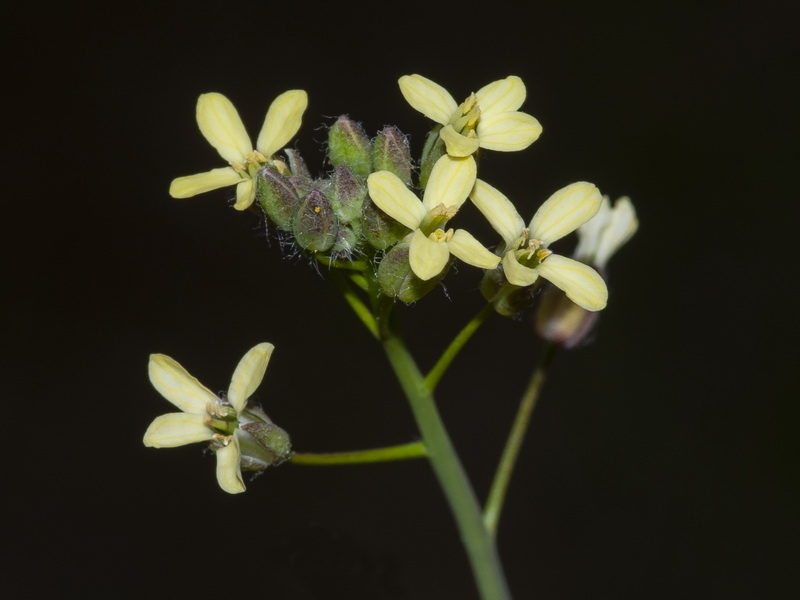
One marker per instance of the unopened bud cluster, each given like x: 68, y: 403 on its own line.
x: 333, y: 216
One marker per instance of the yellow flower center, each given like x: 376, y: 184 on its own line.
x: 466, y: 117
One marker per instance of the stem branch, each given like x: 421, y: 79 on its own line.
x: 502, y: 477
x: 400, y: 452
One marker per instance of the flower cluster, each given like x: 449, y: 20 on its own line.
x: 368, y: 217
x: 367, y: 208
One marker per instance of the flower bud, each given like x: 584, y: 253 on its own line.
x: 560, y: 320
x: 379, y: 229
x: 277, y: 197
x: 347, y: 240
x: 391, y: 152
x: 434, y: 149
x: 314, y: 224
x: 398, y: 280
x: 297, y: 165
x: 349, y: 146
x: 508, y: 300
x: 346, y: 194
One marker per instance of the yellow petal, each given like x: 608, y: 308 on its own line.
x: 282, y: 121
x: 501, y: 96
x: 229, y: 471
x: 565, y: 211
x: 176, y: 385
x: 245, y: 194
x: 248, y: 375
x: 429, y: 98
x: 177, y: 429
x: 450, y: 182
x: 516, y: 273
x: 221, y: 126
x: 391, y: 195
x: 458, y: 145
x: 498, y: 210
x: 464, y: 245
x: 191, y: 185
x: 426, y: 257
x: 582, y: 284
x: 508, y: 131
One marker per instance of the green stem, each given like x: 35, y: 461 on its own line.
x: 497, y: 494
x: 439, y: 369
x: 362, y: 310
x: 479, y: 543
x: 350, y: 265
x: 399, y: 452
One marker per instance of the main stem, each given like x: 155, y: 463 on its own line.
x: 480, y: 545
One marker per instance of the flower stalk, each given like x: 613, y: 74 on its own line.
x: 478, y: 542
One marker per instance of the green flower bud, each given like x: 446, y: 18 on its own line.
x: 379, y: 229
x: 391, y: 152
x: 434, y: 149
x: 346, y: 240
x: 398, y: 280
x: 508, y: 300
x: 349, y: 146
x: 315, y: 225
x: 277, y: 197
x: 297, y: 165
x: 346, y: 194
x: 272, y: 446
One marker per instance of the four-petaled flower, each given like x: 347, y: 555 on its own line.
x: 487, y: 119
x: 430, y: 244
x: 206, y: 417
x: 221, y: 126
x: 526, y: 254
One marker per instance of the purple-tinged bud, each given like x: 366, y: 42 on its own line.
x: 315, y: 225
x: 277, y: 197
x: 346, y: 194
x: 391, y: 152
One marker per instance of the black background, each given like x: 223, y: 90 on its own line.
x: 663, y: 458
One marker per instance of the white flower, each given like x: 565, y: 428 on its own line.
x: 487, y: 119
x: 221, y: 126
x: 430, y: 244
x: 205, y: 417
x: 526, y: 248
x: 602, y: 235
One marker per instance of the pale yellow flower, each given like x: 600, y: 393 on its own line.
x: 487, y: 119
x: 526, y: 254
x: 221, y: 126
x: 206, y: 417
x: 430, y: 243
x: 602, y: 235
